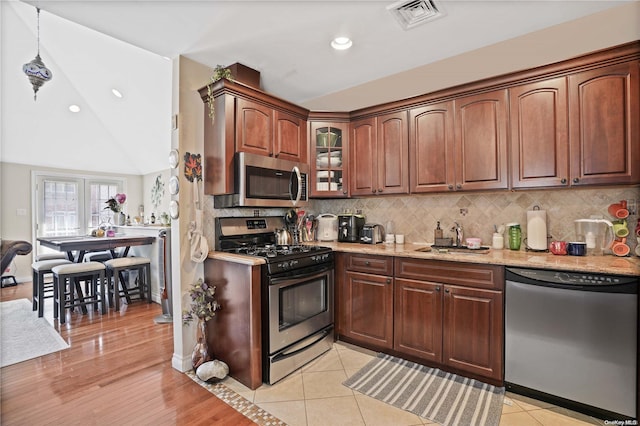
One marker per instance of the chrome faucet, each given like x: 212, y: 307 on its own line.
x: 458, y: 230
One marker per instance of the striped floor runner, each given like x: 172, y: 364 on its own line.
x: 428, y: 392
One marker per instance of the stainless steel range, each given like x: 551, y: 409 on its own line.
x: 297, y: 292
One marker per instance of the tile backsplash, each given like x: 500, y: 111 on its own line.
x: 416, y: 216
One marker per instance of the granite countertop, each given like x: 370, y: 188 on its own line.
x: 607, y: 264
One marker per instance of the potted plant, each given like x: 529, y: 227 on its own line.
x: 219, y: 72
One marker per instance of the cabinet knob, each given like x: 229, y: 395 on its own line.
x: 576, y: 180
x: 367, y: 263
x: 388, y: 280
x: 450, y: 187
x: 438, y: 288
x: 379, y: 189
x: 344, y: 192
x: 458, y: 186
x: 446, y: 290
x: 563, y: 181
x: 373, y: 190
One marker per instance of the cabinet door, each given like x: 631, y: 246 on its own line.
x: 363, y: 164
x: 393, y: 154
x: 481, y: 141
x: 418, y: 319
x: 604, y: 125
x: 254, y: 127
x: 431, y: 147
x: 368, y: 309
x: 328, y: 149
x: 539, y: 134
x: 290, y: 141
x: 473, y: 330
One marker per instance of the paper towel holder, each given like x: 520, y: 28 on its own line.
x: 549, y: 238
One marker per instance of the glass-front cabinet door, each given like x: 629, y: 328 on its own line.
x: 329, y: 165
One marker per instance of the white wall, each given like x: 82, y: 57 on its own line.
x: 16, y: 195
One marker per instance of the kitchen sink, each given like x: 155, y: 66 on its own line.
x: 454, y: 249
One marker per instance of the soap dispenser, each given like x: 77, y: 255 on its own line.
x: 437, y: 233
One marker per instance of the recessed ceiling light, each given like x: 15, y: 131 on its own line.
x: 116, y: 93
x: 341, y: 43
x: 74, y: 108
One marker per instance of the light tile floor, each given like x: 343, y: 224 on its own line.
x: 314, y: 395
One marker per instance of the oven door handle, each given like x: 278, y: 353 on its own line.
x: 284, y: 282
x: 302, y: 345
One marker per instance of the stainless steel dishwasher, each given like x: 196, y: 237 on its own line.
x: 571, y: 339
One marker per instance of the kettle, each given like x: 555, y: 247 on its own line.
x: 597, y: 233
x: 283, y: 237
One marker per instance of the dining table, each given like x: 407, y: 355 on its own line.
x: 77, y: 246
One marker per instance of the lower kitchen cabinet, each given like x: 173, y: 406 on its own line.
x: 447, y: 314
x: 365, y: 295
x: 418, y: 319
x: 472, y: 330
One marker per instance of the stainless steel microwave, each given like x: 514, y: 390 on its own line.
x: 262, y: 181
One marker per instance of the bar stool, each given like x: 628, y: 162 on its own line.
x: 71, y: 274
x: 43, y: 289
x: 98, y: 256
x: 115, y: 271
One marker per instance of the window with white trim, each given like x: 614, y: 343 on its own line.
x: 72, y: 205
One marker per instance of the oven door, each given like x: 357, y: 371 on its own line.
x: 299, y: 306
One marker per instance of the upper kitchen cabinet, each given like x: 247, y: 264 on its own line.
x: 263, y: 130
x: 539, y: 134
x: 379, y: 162
x: 328, y: 150
x: 248, y: 120
x: 604, y: 123
x: 431, y: 148
x: 481, y: 124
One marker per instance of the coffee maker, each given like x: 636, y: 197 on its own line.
x: 350, y: 227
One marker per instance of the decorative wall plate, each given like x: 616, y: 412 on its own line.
x: 174, y: 158
x: 174, y: 185
x: 174, y: 209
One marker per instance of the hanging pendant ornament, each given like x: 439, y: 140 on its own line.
x: 35, y: 70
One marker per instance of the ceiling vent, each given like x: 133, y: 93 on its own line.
x: 415, y: 12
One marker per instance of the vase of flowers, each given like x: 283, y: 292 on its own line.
x: 203, y: 308
x: 115, y: 204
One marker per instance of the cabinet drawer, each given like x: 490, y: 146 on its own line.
x: 466, y: 274
x: 381, y: 265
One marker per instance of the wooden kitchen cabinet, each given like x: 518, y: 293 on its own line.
x: 418, y: 319
x: 432, y: 148
x: 539, y: 134
x: 266, y: 131
x: 604, y: 111
x: 450, y: 313
x: 481, y: 124
x: 365, y: 311
x: 329, y: 158
x: 460, y: 144
x: 379, y: 155
x: 472, y: 330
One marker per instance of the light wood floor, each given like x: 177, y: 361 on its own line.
x: 117, y: 372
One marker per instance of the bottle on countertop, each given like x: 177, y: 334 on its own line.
x: 437, y: 233
x: 515, y: 236
x: 128, y: 220
x: 153, y: 218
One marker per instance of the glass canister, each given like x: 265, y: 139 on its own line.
x: 515, y: 236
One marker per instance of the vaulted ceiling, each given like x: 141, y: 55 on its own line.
x: 92, y: 46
